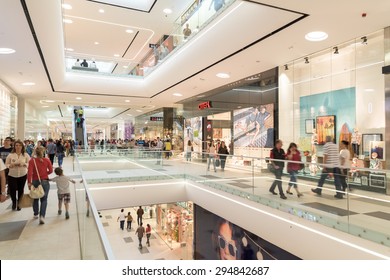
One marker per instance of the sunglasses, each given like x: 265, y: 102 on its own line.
x: 231, y: 247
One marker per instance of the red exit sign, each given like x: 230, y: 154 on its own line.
x: 204, y: 105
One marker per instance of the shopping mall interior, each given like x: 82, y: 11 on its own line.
x: 143, y: 88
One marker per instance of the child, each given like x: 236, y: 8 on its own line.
x: 63, y: 190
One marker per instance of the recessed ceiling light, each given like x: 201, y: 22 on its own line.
x: 69, y: 49
x: 6, y: 51
x: 127, y: 100
x: 96, y: 43
x: 125, y: 66
x: 167, y: 11
x: 66, y: 6
x: 45, y: 106
x: 130, y: 115
x: 130, y: 31
x: 49, y: 101
x: 316, y: 36
x: 78, y: 98
x: 101, y: 11
x: 223, y: 75
x: 177, y: 94
x: 369, y: 89
x: 139, y: 111
x: 66, y: 20
x: 28, y: 84
x: 116, y: 55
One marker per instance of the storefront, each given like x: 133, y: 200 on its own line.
x: 175, y: 225
x: 338, y: 92
x: 8, y: 113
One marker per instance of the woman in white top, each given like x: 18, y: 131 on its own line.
x: 189, y: 151
x: 345, y: 163
x: 212, y: 155
x: 17, y: 162
x: 3, y: 195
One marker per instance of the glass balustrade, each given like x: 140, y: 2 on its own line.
x: 195, y: 18
x: 360, y: 213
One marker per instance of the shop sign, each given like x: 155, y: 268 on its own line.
x: 204, y: 105
x: 156, y: 119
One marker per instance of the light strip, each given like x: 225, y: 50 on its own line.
x: 133, y: 186
x: 294, y: 223
x: 253, y: 90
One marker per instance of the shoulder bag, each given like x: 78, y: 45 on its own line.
x: 37, y: 192
x: 26, y: 201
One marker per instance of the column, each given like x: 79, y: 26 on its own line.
x: 21, y: 119
x: 387, y: 106
x: 168, y: 121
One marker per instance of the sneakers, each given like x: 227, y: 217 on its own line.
x: 66, y: 215
x: 42, y: 220
x: 282, y: 196
x: 59, y: 212
x: 316, y: 191
x: 35, y: 216
x: 273, y: 192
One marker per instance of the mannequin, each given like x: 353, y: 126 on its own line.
x: 356, y: 140
x: 314, y: 142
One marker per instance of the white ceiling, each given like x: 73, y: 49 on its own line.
x: 224, y: 46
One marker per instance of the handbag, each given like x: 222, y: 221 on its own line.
x: 271, y: 168
x: 37, y: 192
x: 26, y: 201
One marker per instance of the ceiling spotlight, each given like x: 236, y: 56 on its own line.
x: 167, y: 11
x: 116, y: 55
x: 96, y: 43
x: 66, y: 7
x: 69, y: 49
x: 177, y: 94
x: 78, y: 98
x: 139, y: 111
x: 66, y: 20
x: 364, y: 40
x: 285, y: 67
x: 125, y: 66
x: 101, y: 11
x: 28, y: 84
x: 6, y: 51
x: 336, y: 50
x: 306, y: 60
x: 127, y: 100
x: 316, y: 36
x: 223, y: 75
x: 130, y: 31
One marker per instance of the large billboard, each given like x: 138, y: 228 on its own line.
x: 193, y: 132
x: 218, y: 239
x: 254, y: 127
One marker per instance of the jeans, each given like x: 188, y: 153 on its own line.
x: 324, y: 175
x: 223, y: 162
x: 51, y: 157
x: 343, y: 178
x: 140, y: 241
x: 122, y: 224
x: 139, y: 220
x: 278, y: 181
x: 16, y: 184
x: 211, y: 158
x: 42, y: 210
x: 60, y: 159
x: 293, y: 178
x: 147, y: 238
x: 188, y: 156
x: 129, y: 224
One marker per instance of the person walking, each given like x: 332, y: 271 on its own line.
x: 293, y: 167
x: 63, y: 190
x: 148, y: 234
x: 345, y: 163
x: 129, y: 220
x: 38, y: 172
x: 189, y: 150
x: 121, y: 219
x: 222, y: 152
x: 212, y: 155
x: 159, y: 149
x: 331, y: 165
x: 51, y: 150
x: 17, y: 162
x: 4, y: 152
x: 279, y: 155
x: 140, y: 232
x: 140, y: 213
x: 60, y: 152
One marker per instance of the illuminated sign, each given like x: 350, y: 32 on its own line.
x: 204, y: 105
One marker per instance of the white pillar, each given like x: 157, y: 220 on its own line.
x: 21, y: 123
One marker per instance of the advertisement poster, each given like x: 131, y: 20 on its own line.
x: 193, y: 132
x: 254, y: 127
x: 219, y: 239
x: 326, y: 126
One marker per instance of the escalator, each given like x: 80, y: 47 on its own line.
x: 79, y: 132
